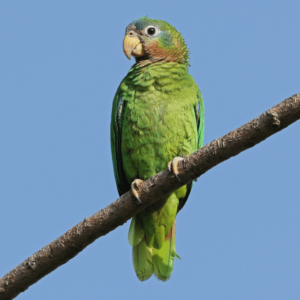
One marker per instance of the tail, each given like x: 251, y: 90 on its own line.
x: 147, y: 259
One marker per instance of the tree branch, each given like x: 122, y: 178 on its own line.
x: 117, y: 213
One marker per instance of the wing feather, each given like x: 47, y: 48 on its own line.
x: 119, y: 107
x: 199, y: 118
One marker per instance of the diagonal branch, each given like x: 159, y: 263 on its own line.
x: 117, y: 213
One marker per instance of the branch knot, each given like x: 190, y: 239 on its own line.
x: 274, y: 118
x: 30, y: 263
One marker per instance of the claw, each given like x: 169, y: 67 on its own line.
x: 135, y: 187
x: 173, y: 166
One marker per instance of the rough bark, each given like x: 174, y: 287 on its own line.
x: 117, y: 213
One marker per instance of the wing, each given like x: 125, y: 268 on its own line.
x: 199, y: 113
x: 199, y: 122
x: 117, y: 116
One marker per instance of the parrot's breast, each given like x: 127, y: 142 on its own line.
x: 159, y: 121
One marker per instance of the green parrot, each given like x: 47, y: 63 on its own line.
x: 157, y: 119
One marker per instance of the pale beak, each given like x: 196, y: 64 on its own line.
x: 133, y: 46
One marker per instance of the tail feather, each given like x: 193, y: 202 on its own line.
x: 136, y: 231
x: 163, y: 258
x: 142, y: 260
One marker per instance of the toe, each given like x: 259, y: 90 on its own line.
x: 173, y: 166
x: 135, y: 188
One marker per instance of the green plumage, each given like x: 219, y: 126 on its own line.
x: 157, y: 114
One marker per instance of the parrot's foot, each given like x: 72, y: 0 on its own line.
x: 173, y: 166
x: 135, y: 188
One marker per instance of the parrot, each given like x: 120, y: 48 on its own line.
x: 157, y: 119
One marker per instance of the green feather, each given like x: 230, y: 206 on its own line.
x: 136, y: 231
x: 163, y: 258
x: 142, y: 260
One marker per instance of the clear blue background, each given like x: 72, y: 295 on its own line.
x: 61, y: 63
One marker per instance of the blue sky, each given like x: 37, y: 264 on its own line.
x: 60, y: 65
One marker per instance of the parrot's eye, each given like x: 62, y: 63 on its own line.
x: 151, y: 30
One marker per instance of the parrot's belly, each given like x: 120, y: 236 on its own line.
x: 153, y: 134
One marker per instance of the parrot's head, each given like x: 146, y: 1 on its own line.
x: 150, y: 40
